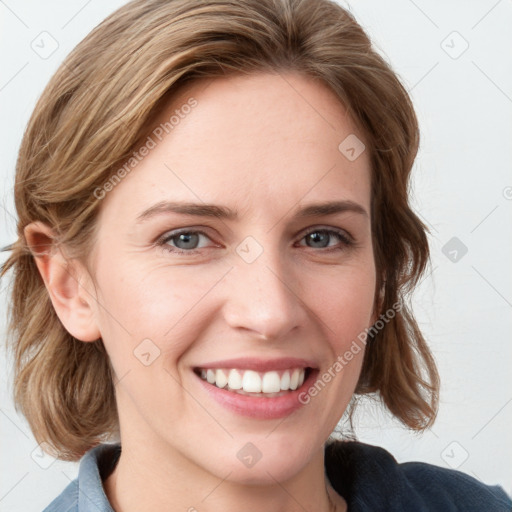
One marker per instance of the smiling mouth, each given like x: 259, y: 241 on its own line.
x: 252, y: 383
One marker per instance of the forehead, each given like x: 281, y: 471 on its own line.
x: 262, y: 139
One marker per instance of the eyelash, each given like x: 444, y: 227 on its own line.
x: 346, y: 241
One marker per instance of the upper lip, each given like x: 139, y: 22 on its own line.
x: 260, y: 365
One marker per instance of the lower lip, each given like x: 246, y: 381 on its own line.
x: 259, y: 407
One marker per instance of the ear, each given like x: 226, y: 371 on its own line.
x: 67, y: 281
x: 378, y: 303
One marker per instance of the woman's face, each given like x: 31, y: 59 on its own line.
x: 272, y: 280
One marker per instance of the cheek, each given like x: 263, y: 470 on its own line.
x: 140, y: 303
x: 344, y: 303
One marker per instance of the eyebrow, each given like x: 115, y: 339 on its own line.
x: 223, y: 212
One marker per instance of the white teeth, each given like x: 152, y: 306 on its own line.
x: 271, y: 383
x: 235, y: 380
x: 294, y: 380
x: 249, y: 381
x: 220, y: 379
x: 285, y: 381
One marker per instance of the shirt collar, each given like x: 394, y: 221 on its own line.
x: 96, y: 465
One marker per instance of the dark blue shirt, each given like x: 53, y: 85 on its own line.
x: 368, y: 477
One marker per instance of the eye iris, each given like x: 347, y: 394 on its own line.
x: 319, y: 237
x: 190, y: 240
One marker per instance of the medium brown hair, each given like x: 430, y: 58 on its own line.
x: 98, y: 106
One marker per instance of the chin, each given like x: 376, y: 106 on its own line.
x: 262, y: 462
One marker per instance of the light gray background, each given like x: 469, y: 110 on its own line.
x: 462, y: 189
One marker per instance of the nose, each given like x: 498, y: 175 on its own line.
x: 262, y: 298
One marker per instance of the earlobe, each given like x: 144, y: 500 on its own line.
x: 66, y: 281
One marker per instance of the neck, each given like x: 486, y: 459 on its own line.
x: 148, y: 479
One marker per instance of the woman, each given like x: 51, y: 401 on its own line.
x: 215, y: 246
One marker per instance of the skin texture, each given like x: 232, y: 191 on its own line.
x: 264, y: 145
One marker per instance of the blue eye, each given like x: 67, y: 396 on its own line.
x: 188, y: 241
x: 185, y: 242
x: 320, y: 238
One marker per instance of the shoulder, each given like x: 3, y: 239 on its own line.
x: 370, y: 478
x: 455, y: 487
x: 86, y: 493
x: 66, y: 501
